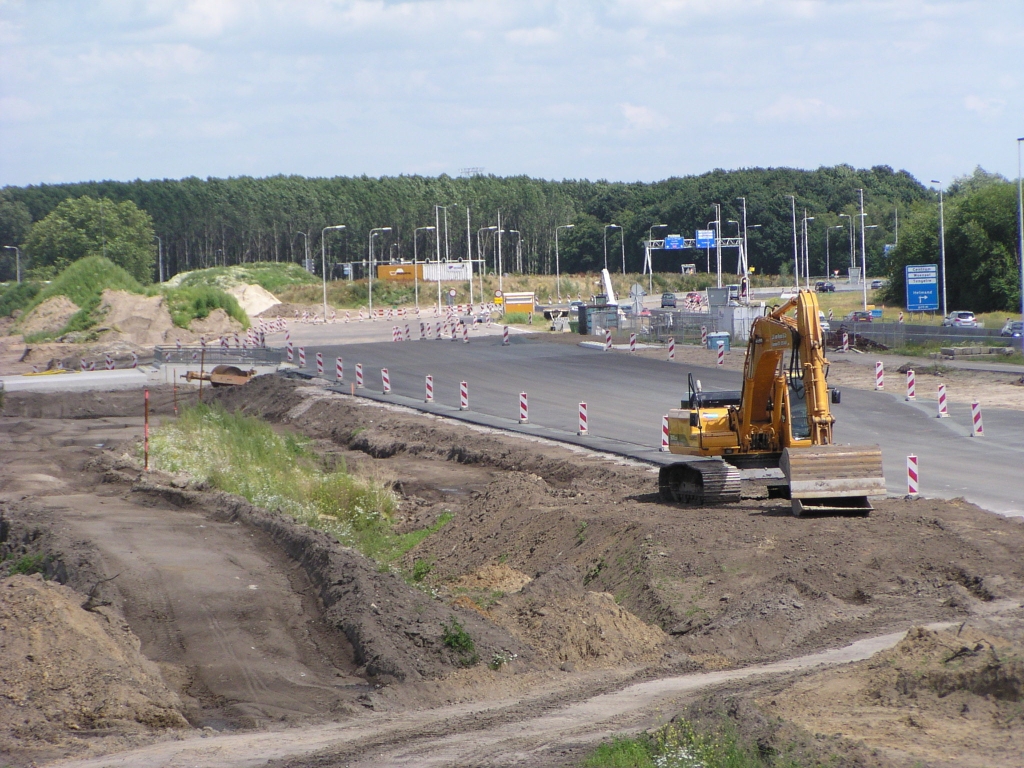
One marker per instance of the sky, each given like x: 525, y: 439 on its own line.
x: 623, y: 90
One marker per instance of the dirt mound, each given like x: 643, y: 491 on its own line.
x: 498, y: 577
x: 217, y: 323
x: 573, y: 626
x: 141, y: 320
x: 64, y: 669
x: 49, y: 317
x: 951, y: 696
x: 254, y: 299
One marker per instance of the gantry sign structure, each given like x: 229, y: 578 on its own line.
x: 705, y: 240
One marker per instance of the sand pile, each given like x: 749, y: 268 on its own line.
x: 64, y: 669
x: 49, y: 317
x: 144, y: 320
x: 254, y: 299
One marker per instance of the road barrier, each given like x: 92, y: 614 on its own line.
x: 109, y: 362
x: 583, y: 420
x: 846, y: 342
x: 879, y: 376
x: 302, y: 357
x: 704, y: 336
x: 135, y: 360
x: 437, y: 328
x: 359, y: 375
x: 408, y: 333
x: 288, y: 352
x: 524, y: 409
x: 664, y: 434
x: 463, y: 396
x: 423, y: 330
x: 385, y: 381
x: 721, y: 353
x: 319, y: 363
x: 912, y: 477
x: 430, y: 390
x: 632, y: 343
x: 607, y: 340
x: 504, y: 336
x: 943, y: 409
x: 339, y: 369
x: 911, y: 385
x: 671, y: 349
x: 977, y: 429
x: 465, y: 334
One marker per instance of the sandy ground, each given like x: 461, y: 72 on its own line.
x: 621, y: 610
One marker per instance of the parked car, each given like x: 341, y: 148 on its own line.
x: 823, y: 322
x: 859, y: 316
x: 876, y: 284
x: 668, y: 300
x: 824, y: 286
x: 960, y: 320
x: 1013, y: 328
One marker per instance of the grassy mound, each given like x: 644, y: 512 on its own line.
x: 84, y: 282
x: 196, y: 302
x: 273, y: 277
x: 16, y: 296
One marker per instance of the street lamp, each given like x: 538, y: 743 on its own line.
x: 796, y: 255
x: 653, y: 227
x: 323, y: 261
x: 416, y: 263
x: 519, y: 250
x: 373, y: 233
x: 863, y: 252
x: 305, y: 240
x: 606, y: 228
x: 17, y: 260
x: 942, y: 244
x: 853, y: 257
x: 558, y: 276
x: 828, y: 265
x: 743, y: 260
x: 807, y: 254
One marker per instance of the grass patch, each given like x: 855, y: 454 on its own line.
x: 245, y: 456
x: 17, y: 296
x: 455, y: 636
x: 273, y: 277
x: 27, y: 565
x: 197, y: 302
x: 516, y: 318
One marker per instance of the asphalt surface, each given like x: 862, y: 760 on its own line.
x: 627, y: 397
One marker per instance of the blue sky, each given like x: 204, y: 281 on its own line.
x: 615, y: 89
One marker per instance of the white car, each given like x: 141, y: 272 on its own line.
x: 823, y: 322
x: 960, y: 320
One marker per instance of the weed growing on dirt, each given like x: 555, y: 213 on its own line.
x: 455, y: 636
x: 420, y: 570
x: 26, y: 565
x: 243, y: 455
x: 500, y: 659
x: 515, y: 318
x: 197, y: 302
x: 17, y: 296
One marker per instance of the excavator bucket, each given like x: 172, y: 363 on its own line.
x: 833, y: 478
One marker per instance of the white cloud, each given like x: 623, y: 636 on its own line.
x: 14, y: 109
x: 797, y: 109
x: 984, y: 106
x: 641, y: 118
x: 534, y: 36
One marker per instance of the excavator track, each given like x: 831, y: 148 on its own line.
x: 704, y: 483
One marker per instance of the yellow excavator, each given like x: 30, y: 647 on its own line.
x: 780, y: 418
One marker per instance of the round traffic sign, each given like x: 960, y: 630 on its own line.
x: 452, y: 293
x: 497, y: 294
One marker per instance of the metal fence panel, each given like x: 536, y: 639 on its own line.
x: 217, y: 355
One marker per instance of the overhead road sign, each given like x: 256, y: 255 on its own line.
x: 673, y: 242
x: 705, y: 238
x: 922, y: 287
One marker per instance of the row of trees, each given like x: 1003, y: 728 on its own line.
x: 228, y: 221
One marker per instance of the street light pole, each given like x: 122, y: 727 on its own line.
x: 416, y: 262
x: 807, y: 253
x: 1020, y: 228
x: 558, y: 275
x: 743, y: 266
x: 159, y: 256
x: 739, y: 236
x: 853, y: 258
x: 519, y: 250
x: 648, y: 263
x: 796, y: 254
x: 863, y: 252
x: 942, y: 245
x: 718, y: 240
x: 373, y: 232
x: 323, y: 261
x: 606, y: 228
x: 17, y: 260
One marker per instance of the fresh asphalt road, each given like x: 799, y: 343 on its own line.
x: 627, y: 397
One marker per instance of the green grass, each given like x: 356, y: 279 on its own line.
x: 273, y: 277
x: 455, y: 636
x: 16, y: 296
x: 679, y: 745
x: 245, y: 456
x: 197, y: 302
x: 516, y: 318
x: 29, y: 564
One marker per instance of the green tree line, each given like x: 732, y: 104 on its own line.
x: 203, y: 223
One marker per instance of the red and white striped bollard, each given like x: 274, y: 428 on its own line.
x: 463, y: 396
x: 664, y: 434
x: 339, y: 369
x: 879, y: 376
x: 846, y: 342
x: 607, y: 340
x: 977, y: 429
x: 632, y: 343
x: 302, y: 357
x: 912, y: 476
x: 429, y: 398
x: 359, y: 375
x: 721, y: 353
x: 385, y: 381
x: 911, y: 385
x: 524, y: 409
x: 671, y: 349
x: 465, y: 334
x: 504, y: 336
x: 110, y: 363
x: 583, y: 420
x: 943, y: 408
x: 703, y: 335
x: 319, y: 363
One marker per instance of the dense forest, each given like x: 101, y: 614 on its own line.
x: 218, y: 221
x: 210, y: 222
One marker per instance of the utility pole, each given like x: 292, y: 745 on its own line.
x: 469, y: 259
x: 796, y: 253
x: 864, y: 255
